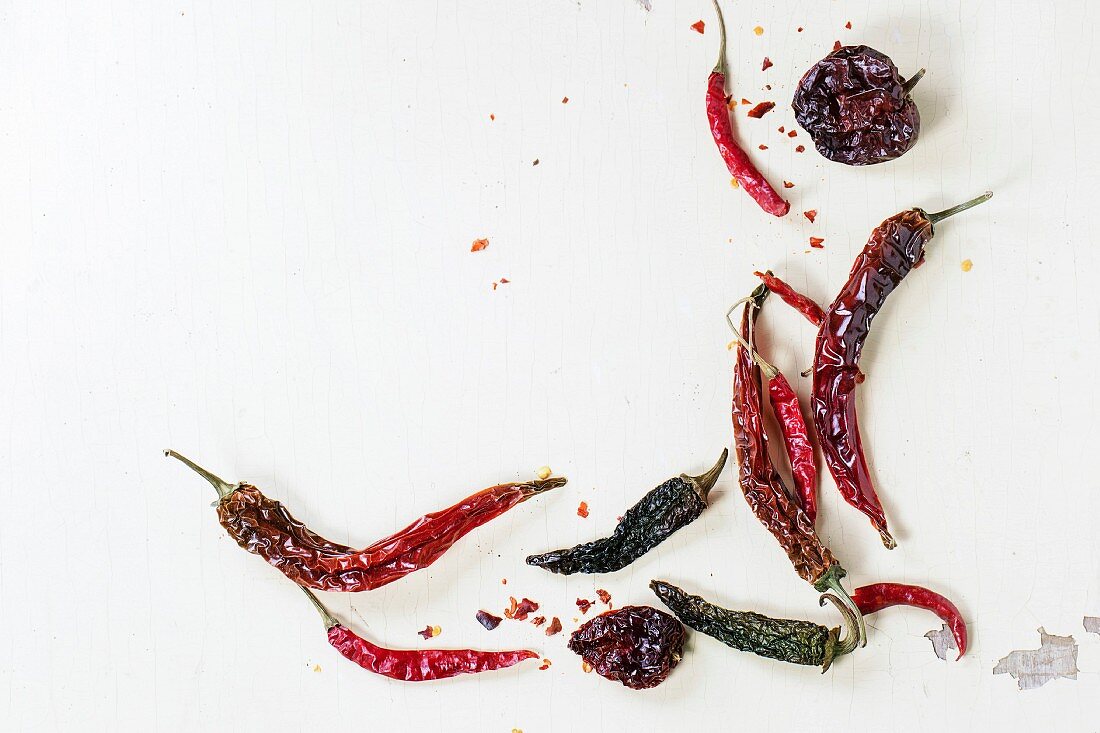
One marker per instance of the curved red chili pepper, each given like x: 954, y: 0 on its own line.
x: 872, y: 598
x: 718, y: 117
x: 813, y: 312
x: 796, y: 439
x: 896, y: 246
x: 413, y: 665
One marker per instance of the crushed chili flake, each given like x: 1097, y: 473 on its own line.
x: 799, y: 29
x: 586, y: 667
x: 768, y: 87
x: 792, y: 133
x: 504, y: 281
x: 565, y: 100
x: 492, y: 117
x: 604, y: 596
x: 545, y: 665
x: 788, y: 184
x: 698, y: 26
x: 758, y: 30
x: 543, y: 472
x: 761, y: 109
x: 479, y: 244
x: 745, y: 101
x: 767, y: 64
x: 836, y: 46
x: 427, y: 633
x: 811, y: 215
x: 966, y: 265
x: 510, y: 612
x: 582, y: 510
x: 535, y: 161
x: 800, y: 149
x: 762, y: 147
x: 523, y: 608
x: 554, y: 627
x: 730, y: 345
x: 584, y: 604
x: 782, y: 128
x: 538, y: 620
x: 734, y: 183
x: 494, y: 286
x: 817, y: 242
x: 848, y: 25
x: 488, y: 620
x: 504, y: 581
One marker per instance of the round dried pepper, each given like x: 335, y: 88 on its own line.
x: 635, y: 645
x: 856, y: 107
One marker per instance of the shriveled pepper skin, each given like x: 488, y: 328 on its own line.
x: 264, y: 527
x: 856, y: 107
x: 635, y: 645
x: 796, y: 439
x: 896, y: 246
x: 760, y: 482
x: 420, y: 665
x: 813, y: 312
x: 873, y: 598
x: 788, y: 640
x: 674, y: 504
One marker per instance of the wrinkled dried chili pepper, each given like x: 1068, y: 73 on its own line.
x: 761, y: 484
x: 264, y: 527
x: 813, y: 312
x: 413, y: 665
x: 873, y: 598
x: 674, y: 504
x: 895, y: 247
x: 737, y: 160
x: 857, y: 107
x: 792, y: 425
x: 788, y: 640
x: 636, y: 645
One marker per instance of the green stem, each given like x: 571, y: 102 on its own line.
x: 850, y: 642
x: 831, y: 581
x: 223, y: 487
x: 329, y: 619
x: 941, y: 215
x: 769, y: 370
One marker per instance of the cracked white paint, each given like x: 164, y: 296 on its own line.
x: 942, y: 641
x: 1056, y: 657
x: 1091, y: 624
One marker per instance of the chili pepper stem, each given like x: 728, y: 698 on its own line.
x: 831, y: 581
x: 851, y: 639
x: 720, y: 67
x: 769, y: 369
x: 223, y: 487
x: 705, y: 482
x: 912, y: 82
x: 941, y: 215
x: 328, y: 618
x: 534, y: 488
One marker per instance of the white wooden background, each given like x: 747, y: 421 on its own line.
x: 242, y: 230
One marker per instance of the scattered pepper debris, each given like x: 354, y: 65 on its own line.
x: 494, y: 286
x: 836, y: 46
x: 582, y: 510
x: 504, y: 281
x: 604, y: 596
x: 762, y: 147
x: 510, y: 612
x: 800, y: 149
x: 428, y: 632
x: 535, y: 161
x: 504, y: 581
x: 745, y: 101
x: 538, y: 620
x: 848, y: 25
x: 966, y: 265
x: 734, y: 183
x: 584, y: 604
x: 586, y: 667
x: 488, y: 620
x: 546, y: 662
x: 758, y: 30
x: 799, y: 29
x: 698, y: 26
x: 565, y: 100
x: 554, y: 627
x: 543, y: 472
x: 767, y: 64
x: 788, y: 184
x: 817, y: 242
x: 811, y: 215
x: 316, y: 668
x: 782, y: 128
x: 479, y: 244
x: 523, y: 609
x: 768, y: 87
x: 761, y: 109
x: 792, y: 133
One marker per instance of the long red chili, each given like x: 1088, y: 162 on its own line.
x: 718, y: 116
x: 896, y: 246
x: 792, y: 425
x: 872, y: 598
x: 813, y: 312
x: 413, y: 665
x: 264, y: 527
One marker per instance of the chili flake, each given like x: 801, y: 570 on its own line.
x: 817, y: 242
x: 734, y: 183
x: 811, y: 215
x: 782, y: 128
x: 848, y: 25
x: 604, y: 596
x: 767, y: 64
x: 584, y: 604
x: 800, y: 149
x: 504, y: 581
x: 799, y: 29
x: 836, y: 46
x: 745, y: 101
x: 504, y: 281
x: 761, y: 109
x: 494, y: 286
x: 479, y: 244
x: 698, y: 26
x: 582, y: 510
x: 510, y: 612
x: 792, y: 133
x: 966, y: 265
x: 492, y: 116
x: 758, y: 30
x: 565, y: 100
x: 535, y: 161
x: 545, y: 665
x: 543, y: 472
x: 428, y: 632
x: 538, y: 620
x: 762, y: 147
x: 554, y: 627
x: 316, y: 668
x: 586, y: 667
x: 523, y: 608
x: 488, y: 620
x: 788, y: 184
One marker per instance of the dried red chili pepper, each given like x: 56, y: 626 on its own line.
x: 813, y: 312
x: 792, y: 425
x: 873, y: 598
x: 635, y: 645
x: 488, y: 620
x: 895, y: 247
x: 264, y: 527
x: 762, y: 485
x: 857, y: 107
x: 413, y: 665
x: 737, y: 160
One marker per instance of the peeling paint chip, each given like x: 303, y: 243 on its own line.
x: 942, y: 641
x: 1056, y: 657
x: 1092, y: 624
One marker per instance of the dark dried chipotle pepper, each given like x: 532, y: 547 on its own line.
x: 635, y: 645
x: 264, y: 527
x: 857, y: 107
x: 788, y: 640
x: 674, y: 504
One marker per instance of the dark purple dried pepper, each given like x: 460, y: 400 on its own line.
x: 857, y: 108
x: 635, y: 645
x: 488, y: 620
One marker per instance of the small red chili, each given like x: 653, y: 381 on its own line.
x: 813, y: 312
x: 872, y: 598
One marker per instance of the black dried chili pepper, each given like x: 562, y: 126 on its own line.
x: 674, y: 504
x: 788, y: 640
x: 636, y: 645
x: 857, y: 107
x: 264, y: 527
x: 895, y: 247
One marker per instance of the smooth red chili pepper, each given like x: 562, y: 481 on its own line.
x: 737, y: 160
x: 761, y: 484
x: 896, y: 246
x: 264, y: 527
x: 873, y: 598
x: 813, y: 312
x: 413, y: 665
